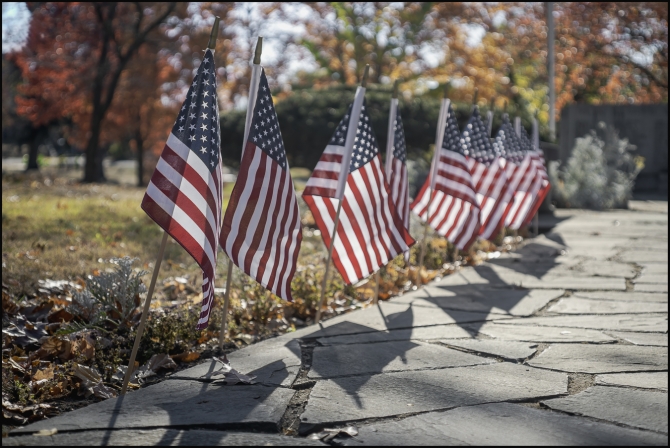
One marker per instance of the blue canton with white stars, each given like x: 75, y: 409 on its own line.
x: 506, y: 144
x: 399, y: 148
x: 452, y: 136
x: 265, y: 133
x: 475, y: 142
x: 365, y: 142
x: 197, y: 125
x: 526, y: 145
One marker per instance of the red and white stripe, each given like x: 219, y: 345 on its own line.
x: 185, y: 200
x: 522, y: 178
x: 370, y: 232
x: 261, y: 230
x: 541, y: 185
x: 399, y: 184
x: 493, y: 195
x: 454, y: 210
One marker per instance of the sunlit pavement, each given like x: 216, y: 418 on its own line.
x: 563, y: 341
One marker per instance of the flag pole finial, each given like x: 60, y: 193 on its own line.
x: 259, y: 50
x: 366, y: 72
x: 395, y: 88
x: 474, y: 99
x: 214, y: 34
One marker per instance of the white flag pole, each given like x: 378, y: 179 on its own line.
x: 253, y: 92
x: 159, y: 259
x: 536, y: 147
x: 344, y: 174
x: 390, y: 142
x: 439, y: 138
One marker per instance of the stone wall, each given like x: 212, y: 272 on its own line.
x: 645, y: 126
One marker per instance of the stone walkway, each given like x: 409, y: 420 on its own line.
x: 562, y: 342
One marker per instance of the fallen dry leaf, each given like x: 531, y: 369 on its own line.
x: 230, y: 375
x: 46, y: 432
x: 186, y: 356
x: 92, y: 381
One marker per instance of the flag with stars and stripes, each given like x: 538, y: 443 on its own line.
x: 454, y: 210
x: 185, y: 192
x: 397, y: 174
x: 542, y: 182
x: 370, y: 232
x: 520, y: 171
x: 261, y: 229
x: 488, y: 176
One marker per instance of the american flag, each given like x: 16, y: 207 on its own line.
x: 185, y: 192
x: 520, y: 171
x: 488, y: 176
x: 261, y: 229
x: 370, y: 232
x: 542, y: 179
x: 454, y: 211
x: 396, y: 172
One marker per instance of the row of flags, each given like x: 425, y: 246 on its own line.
x: 476, y: 186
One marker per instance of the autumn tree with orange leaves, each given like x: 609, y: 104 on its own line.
x: 73, y: 61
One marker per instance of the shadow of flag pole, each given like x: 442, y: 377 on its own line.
x: 157, y: 267
x: 253, y: 92
x: 355, y: 114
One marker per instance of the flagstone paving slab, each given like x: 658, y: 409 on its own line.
x: 660, y: 339
x: 505, y: 349
x: 543, y: 269
x: 576, y: 305
x: 493, y: 278
x: 644, y: 380
x: 654, y: 268
x: 419, y: 333
x: 625, y: 322
x: 651, y: 287
x: 177, y: 402
x: 515, y: 302
x: 391, y: 315
x: 500, y: 424
x: 598, y: 358
x: 633, y: 296
x: 652, y: 278
x: 273, y: 362
x: 161, y: 436
x: 644, y: 256
x: 357, y: 359
x: 387, y: 394
x: 636, y: 408
x: 532, y: 333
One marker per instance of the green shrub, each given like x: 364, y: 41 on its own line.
x: 600, y: 173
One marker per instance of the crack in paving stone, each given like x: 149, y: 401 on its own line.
x: 290, y: 421
x: 307, y: 428
x: 544, y: 311
x: 498, y: 358
x: 541, y: 346
x: 578, y: 382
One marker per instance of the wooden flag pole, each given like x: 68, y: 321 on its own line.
x: 436, y: 159
x: 157, y: 267
x: 253, y: 91
x: 378, y: 278
x: 145, y: 313
x: 536, y: 144
x: 355, y: 114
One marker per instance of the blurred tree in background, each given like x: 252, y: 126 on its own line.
x: 115, y: 73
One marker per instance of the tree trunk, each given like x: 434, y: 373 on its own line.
x: 93, y: 171
x: 33, y: 148
x: 32, y: 155
x: 139, y: 141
